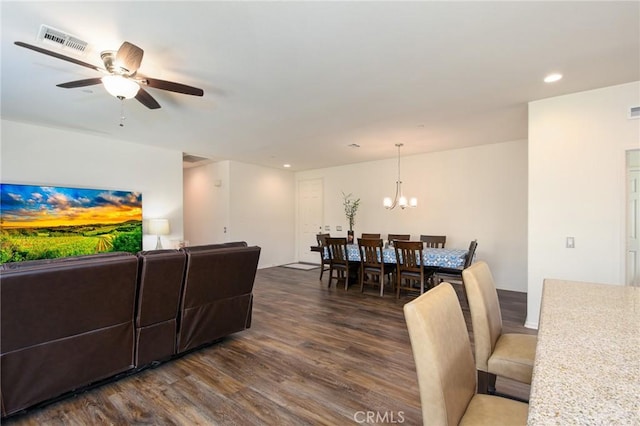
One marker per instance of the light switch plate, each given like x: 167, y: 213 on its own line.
x: 571, y: 242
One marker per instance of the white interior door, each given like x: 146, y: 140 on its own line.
x: 310, y: 211
x: 633, y: 221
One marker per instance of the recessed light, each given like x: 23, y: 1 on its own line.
x: 552, y: 78
x: 286, y: 166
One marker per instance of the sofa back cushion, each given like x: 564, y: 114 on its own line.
x: 44, y: 301
x: 217, y: 295
x: 160, y: 282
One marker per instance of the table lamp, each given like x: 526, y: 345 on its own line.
x: 159, y: 227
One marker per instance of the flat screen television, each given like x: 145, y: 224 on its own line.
x: 46, y: 222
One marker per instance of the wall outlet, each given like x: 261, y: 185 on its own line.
x: 571, y: 243
x: 338, y: 228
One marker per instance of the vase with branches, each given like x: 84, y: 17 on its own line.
x: 350, y: 209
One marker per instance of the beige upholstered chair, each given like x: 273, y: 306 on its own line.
x: 508, y: 355
x: 444, y: 363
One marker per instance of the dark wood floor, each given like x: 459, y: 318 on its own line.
x: 313, y: 356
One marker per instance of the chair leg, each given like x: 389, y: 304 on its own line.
x: 321, y: 270
x: 486, y: 383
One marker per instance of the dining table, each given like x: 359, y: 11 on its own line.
x: 587, y: 364
x: 436, y: 257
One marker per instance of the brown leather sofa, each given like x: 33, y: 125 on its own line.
x: 217, y: 295
x: 65, y: 324
x: 71, y: 323
x: 160, y: 285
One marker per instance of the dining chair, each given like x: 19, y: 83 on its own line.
x: 507, y: 355
x: 409, y: 268
x: 371, y: 236
x: 398, y: 237
x: 324, y: 259
x: 444, y: 365
x: 373, y: 270
x: 455, y: 274
x: 434, y: 241
x: 339, y: 261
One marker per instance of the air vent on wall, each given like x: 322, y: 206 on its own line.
x: 634, y: 112
x: 61, y: 40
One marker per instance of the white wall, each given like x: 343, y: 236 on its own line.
x: 256, y: 204
x: 48, y: 156
x: 206, y: 201
x: 472, y: 193
x: 577, y: 146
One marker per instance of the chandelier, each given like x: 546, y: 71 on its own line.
x: 399, y: 199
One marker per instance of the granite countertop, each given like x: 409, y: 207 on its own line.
x: 587, y: 366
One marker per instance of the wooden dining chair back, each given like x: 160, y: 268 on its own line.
x: 324, y: 255
x: 455, y: 274
x: 370, y: 236
x: 433, y: 241
x: 373, y: 270
x: 409, y: 270
x: 509, y: 355
x: 445, y: 368
x: 398, y: 237
x: 339, y: 265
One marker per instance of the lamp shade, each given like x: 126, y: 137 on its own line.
x: 120, y: 87
x: 158, y: 227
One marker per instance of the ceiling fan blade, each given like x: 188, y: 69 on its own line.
x: 80, y: 83
x: 146, y: 99
x: 172, y: 87
x: 57, y: 55
x: 129, y: 56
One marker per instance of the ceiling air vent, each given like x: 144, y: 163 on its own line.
x: 188, y: 158
x: 61, y: 40
x: 634, y: 112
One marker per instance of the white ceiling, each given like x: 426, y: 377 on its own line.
x: 298, y: 82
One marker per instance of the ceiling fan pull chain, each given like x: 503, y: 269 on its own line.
x: 122, y: 117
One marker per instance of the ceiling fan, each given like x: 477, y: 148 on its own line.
x: 122, y: 79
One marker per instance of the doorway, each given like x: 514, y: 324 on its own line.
x: 310, y: 217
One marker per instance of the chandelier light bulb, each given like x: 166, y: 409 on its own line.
x: 387, y: 202
x: 413, y: 202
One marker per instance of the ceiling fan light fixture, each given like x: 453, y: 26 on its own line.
x: 120, y: 87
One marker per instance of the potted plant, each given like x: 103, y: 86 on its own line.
x: 350, y: 208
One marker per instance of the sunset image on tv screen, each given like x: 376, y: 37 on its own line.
x: 45, y: 222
